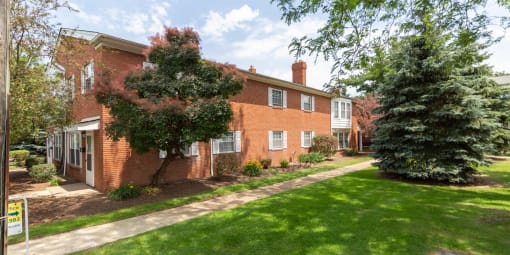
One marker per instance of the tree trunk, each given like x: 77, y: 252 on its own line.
x: 156, y: 178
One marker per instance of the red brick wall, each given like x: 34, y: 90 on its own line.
x: 254, y: 118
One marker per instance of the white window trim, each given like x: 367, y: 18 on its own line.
x: 83, y: 78
x: 237, y: 144
x: 57, y: 150
x: 71, y: 83
x: 312, y: 102
x: 336, y: 109
x: 284, y: 145
x: 312, y: 134
x: 345, y: 135
x: 149, y: 66
x: 192, y: 151
x: 270, y: 97
x: 70, y: 142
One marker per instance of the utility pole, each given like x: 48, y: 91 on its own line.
x: 4, y: 120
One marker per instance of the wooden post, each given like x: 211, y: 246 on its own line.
x: 4, y: 123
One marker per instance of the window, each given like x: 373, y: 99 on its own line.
x: 277, y: 98
x: 335, y: 109
x: 149, y: 66
x: 74, y: 148
x: 87, y: 77
x: 191, y: 150
x: 306, y: 138
x: 343, y: 139
x: 70, y: 85
x: 57, y: 147
x: 277, y: 140
x: 307, y: 103
x: 229, y: 142
x: 346, y: 110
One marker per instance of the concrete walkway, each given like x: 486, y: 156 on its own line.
x: 68, y: 190
x: 91, y: 237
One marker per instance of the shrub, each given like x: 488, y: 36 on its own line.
x: 350, y: 152
x: 33, y: 160
x: 266, y: 163
x: 151, y: 190
x: 325, y: 144
x: 124, y: 191
x: 19, y: 155
x: 252, y: 168
x: 314, y: 157
x: 42, y: 172
x: 226, y: 163
x: 284, y: 163
x: 54, y: 181
x: 273, y: 171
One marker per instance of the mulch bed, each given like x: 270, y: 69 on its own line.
x: 50, y: 208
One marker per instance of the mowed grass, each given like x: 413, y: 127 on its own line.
x: 356, y: 213
x: 102, y: 218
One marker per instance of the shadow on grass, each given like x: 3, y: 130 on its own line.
x: 353, y: 214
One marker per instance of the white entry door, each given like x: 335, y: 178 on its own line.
x: 89, y: 165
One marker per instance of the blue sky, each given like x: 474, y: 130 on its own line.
x: 243, y: 33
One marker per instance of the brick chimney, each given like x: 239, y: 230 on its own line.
x: 299, y: 72
x: 252, y: 69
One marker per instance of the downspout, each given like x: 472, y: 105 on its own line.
x: 212, y: 157
x: 361, y: 140
x: 64, y: 153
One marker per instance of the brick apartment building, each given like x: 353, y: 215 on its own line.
x: 273, y: 119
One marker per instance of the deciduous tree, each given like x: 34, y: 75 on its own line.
x: 183, y: 99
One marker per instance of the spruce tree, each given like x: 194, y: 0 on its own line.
x: 437, y: 123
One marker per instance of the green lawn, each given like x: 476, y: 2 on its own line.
x: 352, y: 214
x: 102, y: 218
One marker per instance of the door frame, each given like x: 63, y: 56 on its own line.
x: 89, y: 177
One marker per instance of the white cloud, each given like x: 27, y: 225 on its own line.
x: 273, y: 38
x: 87, y: 17
x: 216, y: 24
x: 151, y: 21
x: 159, y: 17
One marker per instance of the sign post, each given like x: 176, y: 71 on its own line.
x: 4, y: 127
x: 15, y: 218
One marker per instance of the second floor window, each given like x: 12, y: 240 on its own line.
x: 346, y: 111
x: 307, y: 103
x: 87, y: 81
x: 277, y: 98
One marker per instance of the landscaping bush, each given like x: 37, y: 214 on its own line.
x: 252, y: 168
x: 124, y: 191
x: 54, y: 181
x: 19, y: 156
x: 33, y: 160
x: 266, y: 163
x: 226, y: 163
x: 350, y: 152
x: 314, y: 157
x: 273, y: 171
x: 284, y: 163
x: 325, y: 144
x: 151, y: 190
x: 42, y: 172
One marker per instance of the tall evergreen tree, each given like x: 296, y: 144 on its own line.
x: 437, y: 122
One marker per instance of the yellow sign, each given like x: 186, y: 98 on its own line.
x: 14, y: 219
